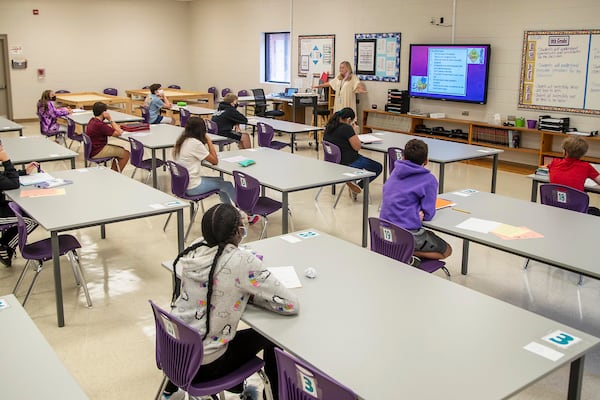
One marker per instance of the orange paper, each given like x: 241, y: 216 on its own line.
x: 42, y: 192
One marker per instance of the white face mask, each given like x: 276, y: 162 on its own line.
x: 160, y: 92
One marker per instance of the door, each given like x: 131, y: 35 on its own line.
x: 5, y: 99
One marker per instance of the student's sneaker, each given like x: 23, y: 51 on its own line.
x: 6, y: 255
x: 252, y: 219
x: 415, y: 262
x: 251, y: 392
x: 178, y: 395
x: 354, y: 191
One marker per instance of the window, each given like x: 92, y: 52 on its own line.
x: 277, y: 57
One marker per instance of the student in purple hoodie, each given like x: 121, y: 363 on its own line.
x: 409, y: 197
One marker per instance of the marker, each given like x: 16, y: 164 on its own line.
x: 462, y: 211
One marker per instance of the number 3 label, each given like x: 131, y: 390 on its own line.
x: 309, y: 384
x: 561, y: 339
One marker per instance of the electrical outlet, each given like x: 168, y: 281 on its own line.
x: 465, y: 113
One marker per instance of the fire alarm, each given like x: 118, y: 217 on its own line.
x: 36, y: 12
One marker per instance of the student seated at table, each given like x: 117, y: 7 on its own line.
x: 341, y: 130
x: 49, y: 113
x: 9, y: 179
x: 155, y: 102
x: 218, y: 279
x: 228, y: 119
x: 409, y: 197
x: 99, y: 132
x: 571, y: 171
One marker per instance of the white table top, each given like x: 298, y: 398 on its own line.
x: 162, y: 136
x: 440, y: 151
x: 6, y: 125
x: 552, y: 222
x: 286, y: 172
x: 91, y: 200
x: 83, y: 118
x: 389, y: 331
x: 25, y: 149
x: 196, y: 110
x: 30, y: 368
x: 284, y: 126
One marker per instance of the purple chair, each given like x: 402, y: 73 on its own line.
x: 138, y: 161
x: 225, y: 91
x: 249, y: 200
x: 332, y: 154
x: 215, y: 92
x: 184, y: 115
x: 301, y: 381
x: 243, y: 92
x: 41, y: 251
x: 110, y: 91
x: 145, y: 114
x: 75, y: 137
x: 260, y: 105
x: 59, y: 135
x: 62, y: 91
x: 564, y: 197
x: 265, y: 137
x: 179, y: 352
x: 180, y: 179
x: 395, y: 242
x: 174, y: 87
x: 394, y: 154
x: 87, y: 150
x: 213, y: 128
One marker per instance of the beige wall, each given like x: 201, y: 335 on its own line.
x: 205, y: 42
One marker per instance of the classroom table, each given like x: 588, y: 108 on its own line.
x: 536, y: 179
x: 195, y: 110
x: 6, y: 125
x: 25, y: 149
x: 390, y: 331
x: 554, y: 248
x: 30, y: 368
x: 161, y: 137
x: 287, y: 173
x: 87, y: 99
x: 83, y: 118
x: 441, y: 152
x: 97, y: 196
x: 175, y: 95
x: 290, y: 128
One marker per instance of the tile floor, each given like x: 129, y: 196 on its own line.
x: 109, y: 348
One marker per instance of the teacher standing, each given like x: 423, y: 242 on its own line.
x: 346, y: 86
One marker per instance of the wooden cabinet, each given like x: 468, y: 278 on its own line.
x: 540, y: 145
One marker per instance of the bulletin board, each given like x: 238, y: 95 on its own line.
x: 377, y: 56
x: 560, y: 71
x: 316, y: 54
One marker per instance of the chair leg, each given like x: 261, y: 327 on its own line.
x: 446, y: 271
x: 266, y: 384
x: 133, y: 173
x: 580, y: 281
x: 37, y: 273
x: 338, y: 196
x: 264, y: 229
x: 526, y: 264
x: 167, y: 222
x: 318, y: 193
x: 194, y: 211
x: 20, y: 280
x: 74, y: 259
x: 161, y: 388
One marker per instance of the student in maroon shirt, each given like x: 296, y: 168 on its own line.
x: 99, y: 131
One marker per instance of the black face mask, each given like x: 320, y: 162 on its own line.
x: 53, y: 98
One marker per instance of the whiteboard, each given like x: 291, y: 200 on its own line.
x: 560, y: 71
x: 316, y: 54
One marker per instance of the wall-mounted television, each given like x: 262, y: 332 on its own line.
x: 453, y: 72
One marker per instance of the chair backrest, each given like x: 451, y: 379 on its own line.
x: 87, y: 146
x: 331, y: 152
x: 145, y: 114
x: 62, y: 91
x: 111, y: 91
x: 265, y: 134
x: 180, y: 178
x: 211, y: 127
x: 174, y: 87
x: 243, y: 92
x: 21, y: 226
x: 260, y: 101
x: 247, y: 191
x: 225, y: 91
x: 391, y: 240
x: 394, y: 153
x: 301, y: 381
x: 137, y: 152
x: 564, y: 197
x: 179, y: 348
x: 214, y: 91
x: 184, y: 115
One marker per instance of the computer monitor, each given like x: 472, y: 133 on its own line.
x: 289, y: 92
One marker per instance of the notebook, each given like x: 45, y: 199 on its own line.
x: 443, y: 203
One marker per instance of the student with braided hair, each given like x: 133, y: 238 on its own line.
x: 218, y: 279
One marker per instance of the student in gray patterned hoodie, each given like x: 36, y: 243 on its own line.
x: 218, y: 279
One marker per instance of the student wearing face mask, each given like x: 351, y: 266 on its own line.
x: 49, y: 113
x: 346, y: 86
x: 155, y: 102
x: 228, y: 119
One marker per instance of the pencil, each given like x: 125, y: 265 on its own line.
x: 462, y: 211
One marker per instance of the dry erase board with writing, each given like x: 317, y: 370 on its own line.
x: 316, y: 54
x: 560, y: 71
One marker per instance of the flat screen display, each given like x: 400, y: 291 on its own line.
x: 457, y: 72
